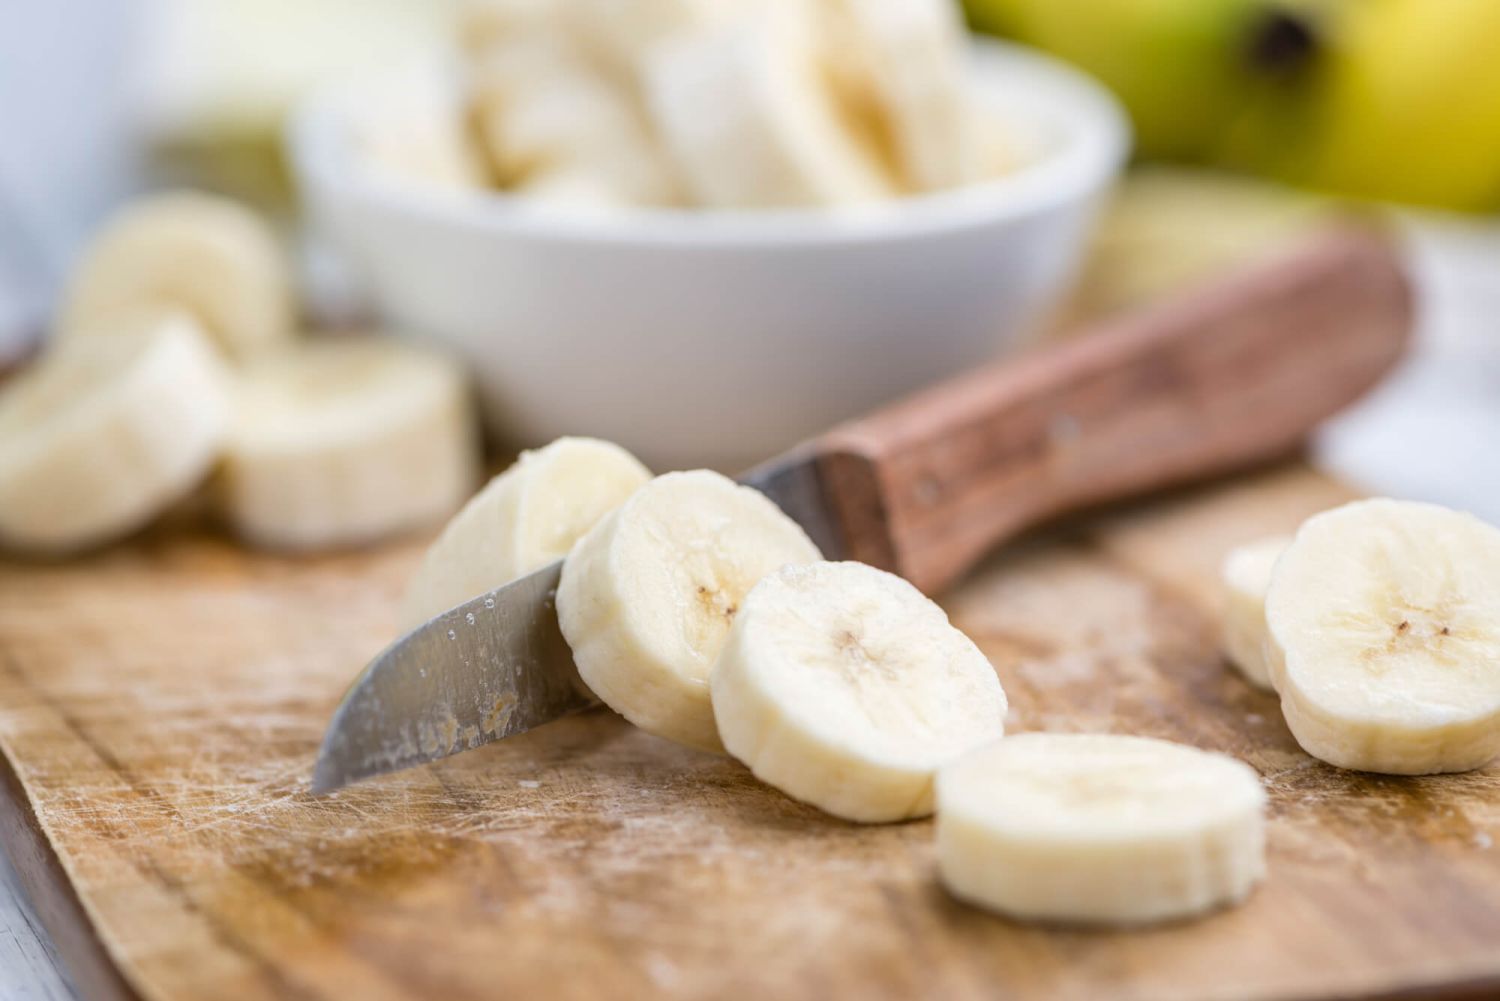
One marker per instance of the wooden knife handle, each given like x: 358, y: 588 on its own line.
x: 1235, y: 372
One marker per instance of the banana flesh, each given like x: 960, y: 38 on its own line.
x: 1099, y: 829
x: 847, y: 688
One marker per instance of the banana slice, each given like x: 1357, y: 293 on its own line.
x: 1096, y: 828
x: 542, y: 108
x: 1384, y: 625
x: 621, y: 33
x: 648, y: 595
x: 102, y: 435
x: 845, y: 687
x: 901, y: 64
x: 525, y: 518
x: 1247, y: 576
x: 341, y: 442
x: 484, y: 26
x: 420, y: 136
x: 746, y: 113
x: 186, y: 252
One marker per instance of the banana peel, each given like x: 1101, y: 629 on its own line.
x: 1384, y: 99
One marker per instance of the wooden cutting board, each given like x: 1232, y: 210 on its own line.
x: 160, y: 706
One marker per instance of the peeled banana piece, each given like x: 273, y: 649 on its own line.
x: 1247, y: 577
x: 339, y: 442
x: 903, y: 64
x: 528, y: 516
x: 744, y: 108
x: 103, y: 434
x: 845, y: 687
x: 1384, y: 624
x: 1099, y: 829
x: 543, y: 108
x: 621, y: 33
x: 649, y: 593
x: 185, y: 252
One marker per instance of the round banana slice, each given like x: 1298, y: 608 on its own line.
x: 541, y: 109
x: 186, y: 252
x: 1247, y: 576
x: 525, y: 518
x: 340, y: 442
x: 901, y: 64
x: 747, y: 115
x: 845, y: 687
x: 649, y: 593
x: 101, y: 436
x: 1384, y: 624
x: 1099, y: 829
x: 621, y: 33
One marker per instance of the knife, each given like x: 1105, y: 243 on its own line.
x: 1234, y: 372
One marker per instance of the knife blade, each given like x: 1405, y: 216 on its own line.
x: 497, y: 665
x: 1233, y: 373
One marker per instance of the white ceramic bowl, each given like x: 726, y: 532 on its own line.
x: 696, y: 337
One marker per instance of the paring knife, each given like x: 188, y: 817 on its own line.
x: 1237, y: 371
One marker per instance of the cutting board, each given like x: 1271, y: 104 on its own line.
x: 160, y: 706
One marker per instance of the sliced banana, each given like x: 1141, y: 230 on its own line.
x: 1092, y: 828
x: 901, y: 65
x: 420, y: 136
x: 745, y: 110
x: 1247, y: 576
x: 648, y: 595
x: 621, y: 33
x: 1384, y: 625
x: 102, y: 435
x: 484, y: 25
x: 343, y: 441
x: 525, y: 518
x: 206, y: 256
x: 845, y: 687
x: 542, y: 108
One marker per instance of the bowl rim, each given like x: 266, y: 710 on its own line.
x: 1095, y: 143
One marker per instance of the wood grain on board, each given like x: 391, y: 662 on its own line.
x: 160, y: 705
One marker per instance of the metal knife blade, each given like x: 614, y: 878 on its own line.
x: 497, y: 665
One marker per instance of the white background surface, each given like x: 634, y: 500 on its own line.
x: 1431, y: 432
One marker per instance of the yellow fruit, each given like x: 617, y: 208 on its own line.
x: 1176, y: 64
x: 1386, y: 99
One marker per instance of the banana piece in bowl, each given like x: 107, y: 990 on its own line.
x: 1383, y: 619
x: 1247, y: 576
x: 744, y: 108
x: 900, y: 65
x: 847, y: 688
x: 543, y: 107
x: 649, y: 593
x: 187, y: 252
x: 340, y: 442
x: 104, y: 433
x: 525, y: 518
x: 1099, y: 829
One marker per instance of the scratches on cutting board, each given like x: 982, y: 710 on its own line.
x: 163, y: 703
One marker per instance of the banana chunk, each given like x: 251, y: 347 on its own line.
x: 1247, y: 576
x: 845, y: 687
x: 101, y: 436
x: 1092, y: 828
x: 340, y: 442
x: 620, y: 33
x: 1384, y: 627
x: 648, y: 595
x: 745, y: 110
x: 186, y: 252
x: 525, y: 518
x: 901, y: 65
x: 543, y: 108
